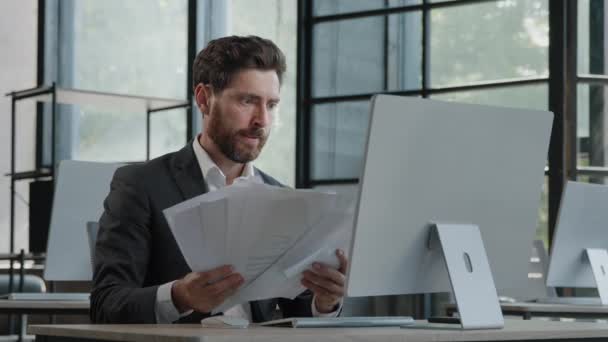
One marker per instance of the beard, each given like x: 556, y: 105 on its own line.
x: 230, y: 141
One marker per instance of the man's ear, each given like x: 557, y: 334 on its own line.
x: 202, y: 96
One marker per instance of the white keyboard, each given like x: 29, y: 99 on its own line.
x: 319, y: 322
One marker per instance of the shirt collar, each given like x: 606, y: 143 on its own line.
x: 208, y: 166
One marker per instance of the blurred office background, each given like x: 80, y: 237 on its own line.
x: 537, y: 54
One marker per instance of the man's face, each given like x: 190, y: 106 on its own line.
x: 240, y: 116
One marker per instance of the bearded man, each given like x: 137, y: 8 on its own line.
x: 140, y: 275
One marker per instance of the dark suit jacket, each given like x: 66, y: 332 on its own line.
x: 136, y: 251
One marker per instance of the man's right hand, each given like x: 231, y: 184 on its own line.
x: 204, y: 291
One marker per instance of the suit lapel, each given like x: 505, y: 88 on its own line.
x: 187, y: 173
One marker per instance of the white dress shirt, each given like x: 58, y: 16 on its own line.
x: 165, y: 310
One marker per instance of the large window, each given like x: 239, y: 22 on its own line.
x: 141, y: 47
x: 146, y: 48
x: 498, y: 56
x: 135, y: 47
x: 275, y: 20
x: 591, y: 93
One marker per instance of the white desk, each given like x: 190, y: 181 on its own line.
x: 515, y: 330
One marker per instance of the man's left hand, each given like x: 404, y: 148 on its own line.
x: 327, y: 283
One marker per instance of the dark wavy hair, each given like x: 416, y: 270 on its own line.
x: 217, y: 63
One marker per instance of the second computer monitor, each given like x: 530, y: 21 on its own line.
x: 80, y: 190
x: 430, y: 161
x: 582, y: 223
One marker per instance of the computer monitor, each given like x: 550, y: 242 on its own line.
x: 80, y: 190
x: 453, y: 164
x: 582, y: 224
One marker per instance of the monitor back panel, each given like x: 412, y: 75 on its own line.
x: 79, y: 194
x: 431, y: 161
x: 582, y: 223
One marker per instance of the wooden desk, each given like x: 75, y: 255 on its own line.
x: 529, y: 310
x: 518, y: 330
x: 49, y: 307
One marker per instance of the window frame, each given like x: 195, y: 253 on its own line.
x: 561, y: 82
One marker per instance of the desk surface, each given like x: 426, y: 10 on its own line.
x: 546, y: 309
x: 514, y: 330
x: 44, y: 306
x: 563, y: 308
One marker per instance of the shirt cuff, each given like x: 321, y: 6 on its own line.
x: 164, y: 309
x: 334, y: 313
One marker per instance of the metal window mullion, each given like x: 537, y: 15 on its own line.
x: 433, y: 91
x: 594, y: 172
x: 191, y: 54
x: 303, y: 94
x: 333, y: 181
x: 39, y: 161
x: 53, y: 128
x: 394, y: 10
x: 592, y: 79
x: 596, y: 89
x: 571, y: 89
x: 425, y: 50
x: 386, y: 48
x: 562, y: 100
x: 13, y: 169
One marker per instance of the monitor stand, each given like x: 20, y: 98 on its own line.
x: 598, y: 258
x: 470, y: 276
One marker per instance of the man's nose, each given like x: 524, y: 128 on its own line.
x: 262, y: 117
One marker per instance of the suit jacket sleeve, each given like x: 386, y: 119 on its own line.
x: 121, y: 255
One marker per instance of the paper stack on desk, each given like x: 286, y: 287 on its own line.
x: 269, y: 234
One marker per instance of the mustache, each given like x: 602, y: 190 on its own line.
x: 258, y: 132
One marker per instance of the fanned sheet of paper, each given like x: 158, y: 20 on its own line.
x: 269, y: 234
